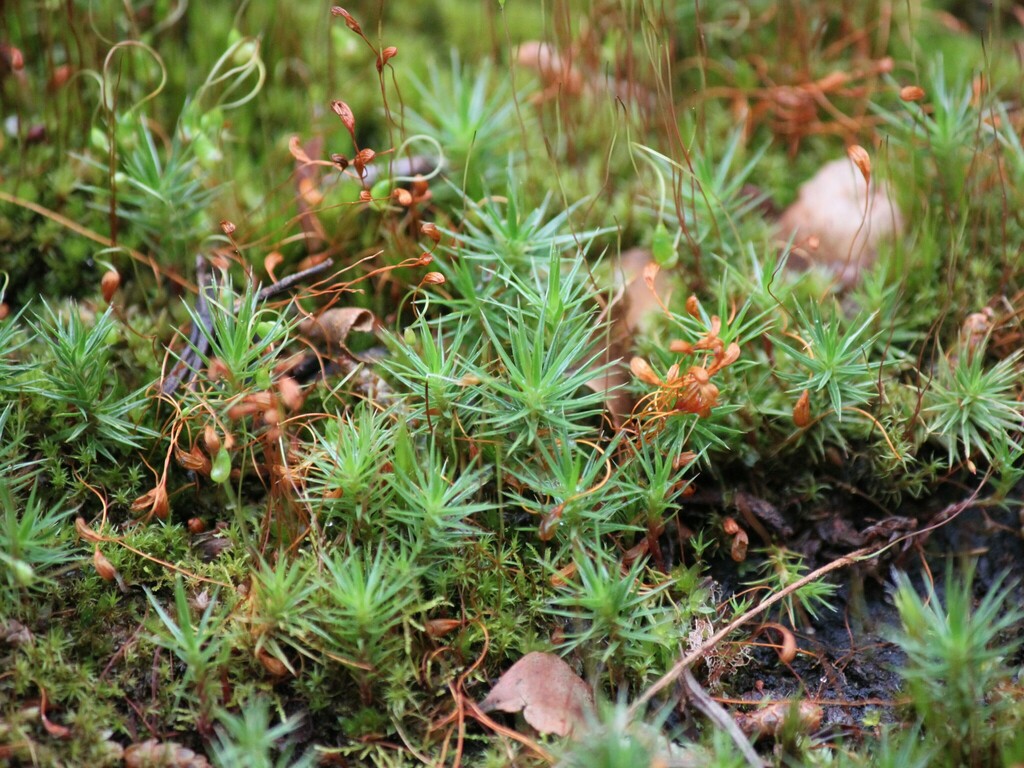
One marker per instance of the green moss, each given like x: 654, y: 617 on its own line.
x: 382, y: 543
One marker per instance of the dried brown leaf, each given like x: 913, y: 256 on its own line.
x: 15, y: 633
x: 771, y: 719
x: 551, y: 696
x: 638, y: 302
x: 629, y: 310
x: 162, y: 754
x: 555, y: 71
x: 307, y: 184
x: 335, y: 325
x: 756, y: 511
x: 619, y: 402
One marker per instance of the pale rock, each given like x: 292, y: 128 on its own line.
x: 837, y: 224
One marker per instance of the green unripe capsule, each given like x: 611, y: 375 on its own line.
x: 221, y: 469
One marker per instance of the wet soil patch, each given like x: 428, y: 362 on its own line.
x: 847, y: 662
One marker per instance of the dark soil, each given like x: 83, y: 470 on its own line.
x: 847, y: 662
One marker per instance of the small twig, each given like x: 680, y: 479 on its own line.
x: 198, y: 338
x: 287, y: 282
x: 684, y: 663
x: 187, y: 367
x: 865, y: 553
x: 87, y: 233
x: 417, y: 165
x: 717, y: 714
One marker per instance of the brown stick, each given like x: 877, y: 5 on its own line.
x: 87, y: 233
x: 684, y: 663
x: 198, y: 338
x: 198, y: 341
x: 717, y: 714
x: 946, y: 516
x: 287, y: 282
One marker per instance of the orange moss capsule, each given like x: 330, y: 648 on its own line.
x: 433, y: 278
x: 861, y: 159
x: 212, y: 439
x: 912, y: 93
x: 430, y: 230
x: 344, y: 111
x: 109, y: 284
x: 104, y: 568
x: 549, y: 523
x: 802, y: 410
x: 693, y: 306
x: 385, y: 56
x: 441, y: 627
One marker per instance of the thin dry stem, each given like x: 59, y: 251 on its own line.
x: 684, y: 663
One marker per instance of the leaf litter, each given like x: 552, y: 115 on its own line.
x: 550, y: 695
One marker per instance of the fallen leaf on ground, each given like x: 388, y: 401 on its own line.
x: 552, y: 698
x: 564, y: 73
x: 162, y: 754
x: 618, y: 400
x: 631, y: 308
x: 639, y: 303
x: 334, y: 325
x: 838, y: 221
x: 770, y: 719
x: 309, y: 196
x: 15, y: 633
